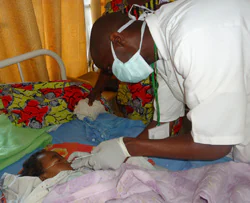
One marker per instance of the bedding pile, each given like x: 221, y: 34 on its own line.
x: 225, y: 182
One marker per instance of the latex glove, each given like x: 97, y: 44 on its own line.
x: 108, y: 155
x: 79, y: 159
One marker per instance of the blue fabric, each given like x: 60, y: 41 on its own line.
x: 105, y: 127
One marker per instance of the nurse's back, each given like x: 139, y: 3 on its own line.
x: 209, y: 43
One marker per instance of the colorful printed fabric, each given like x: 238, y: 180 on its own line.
x: 136, y: 100
x: 115, y: 5
x: 41, y: 104
x: 122, y: 5
x: 177, y: 126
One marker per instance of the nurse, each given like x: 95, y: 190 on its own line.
x: 202, y: 50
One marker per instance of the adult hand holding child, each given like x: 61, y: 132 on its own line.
x: 98, y: 157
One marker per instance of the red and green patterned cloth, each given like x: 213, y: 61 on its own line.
x: 136, y: 100
x: 124, y: 6
x: 41, y: 104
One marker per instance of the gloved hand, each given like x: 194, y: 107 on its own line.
x: 107, y: 155
x: 79, y: 159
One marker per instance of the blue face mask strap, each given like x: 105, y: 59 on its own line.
x: 155, y: 85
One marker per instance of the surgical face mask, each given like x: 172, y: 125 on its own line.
x: 136, y: 68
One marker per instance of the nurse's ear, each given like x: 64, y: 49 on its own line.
x: 118, y: 39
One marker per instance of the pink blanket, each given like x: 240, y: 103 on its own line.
x: 227, y: 182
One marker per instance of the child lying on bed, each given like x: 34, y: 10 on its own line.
x: 42, y: 172
x: 47, y: 164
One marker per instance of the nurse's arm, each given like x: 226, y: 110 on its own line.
x: 179, y: 147
x: 105, y: 82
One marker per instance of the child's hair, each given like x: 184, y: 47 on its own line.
x: 32, y: 166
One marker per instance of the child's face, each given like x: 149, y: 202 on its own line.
x: 52, y: 164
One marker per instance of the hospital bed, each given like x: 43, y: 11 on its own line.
x: 75, y: 132
x: 65, y: 131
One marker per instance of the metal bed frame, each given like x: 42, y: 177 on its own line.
x: 33, y: 54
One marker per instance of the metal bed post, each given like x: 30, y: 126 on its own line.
x: 32, y: 54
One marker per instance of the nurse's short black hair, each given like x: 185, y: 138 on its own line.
x: 32, y: 166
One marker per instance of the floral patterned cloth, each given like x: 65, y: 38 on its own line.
x: 122, y: 5
x: 136, y: 100
x: 41, y: 104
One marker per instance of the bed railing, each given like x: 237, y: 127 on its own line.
x: 32, y: 54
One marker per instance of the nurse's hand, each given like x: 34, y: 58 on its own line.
x: 108, y: 155
x: 79, y: 159
x: 95, y: 94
